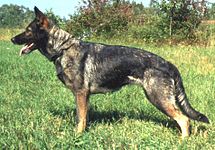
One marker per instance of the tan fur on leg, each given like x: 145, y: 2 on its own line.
x: 82, y: 108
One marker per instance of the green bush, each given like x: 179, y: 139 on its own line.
x: 170, y: 21
x: 178, y: 19
x: 165, y: 21
x: 100, y: 18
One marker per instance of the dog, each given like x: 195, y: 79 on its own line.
x: 89, y: 68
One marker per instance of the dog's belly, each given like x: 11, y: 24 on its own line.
x: 106, y: 87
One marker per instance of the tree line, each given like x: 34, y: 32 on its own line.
x: 165, y: 19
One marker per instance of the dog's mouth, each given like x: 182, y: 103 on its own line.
x: 27, y: 49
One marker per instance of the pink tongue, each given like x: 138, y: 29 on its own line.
x: 26, y: 49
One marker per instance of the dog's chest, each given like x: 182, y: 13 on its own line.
x: 67, y: 71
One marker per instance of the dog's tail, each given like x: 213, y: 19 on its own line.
x: 184, y: 104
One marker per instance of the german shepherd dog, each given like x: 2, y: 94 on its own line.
x: 90, y: 68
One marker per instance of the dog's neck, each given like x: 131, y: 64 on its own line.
x: 58, y: 42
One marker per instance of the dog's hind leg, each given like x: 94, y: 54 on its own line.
x: 81, y: 108
x: 160, y: 90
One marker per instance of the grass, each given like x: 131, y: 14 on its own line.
x: 38, y: 112
x: 7, y: 33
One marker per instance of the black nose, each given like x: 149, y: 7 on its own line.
x: 13, y: 40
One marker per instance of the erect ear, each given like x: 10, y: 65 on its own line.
x: 42, y: 19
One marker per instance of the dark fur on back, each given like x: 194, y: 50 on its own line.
x: 89, y: 68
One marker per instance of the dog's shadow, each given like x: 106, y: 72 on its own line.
x: 117, y: 117
x: 114, y: 116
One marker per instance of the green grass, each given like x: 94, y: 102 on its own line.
x: 38, y: 112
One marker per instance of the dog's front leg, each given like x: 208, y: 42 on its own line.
x: 81, y: 108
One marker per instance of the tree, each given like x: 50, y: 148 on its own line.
x: 100, y: 17
x: 211, y: 12
x: 57, y: 20
x: 179, y: 18
x: 152, y: 3
x: 14, y: 15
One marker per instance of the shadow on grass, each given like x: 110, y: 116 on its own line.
x: 116, y: 116
x: 65, y: 113
x: 113, y: 116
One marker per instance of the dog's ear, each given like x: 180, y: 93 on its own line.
x: 41, y: 18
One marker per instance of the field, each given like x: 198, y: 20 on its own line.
x: 38, y: 112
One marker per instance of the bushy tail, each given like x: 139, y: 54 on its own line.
x: 184, y: 104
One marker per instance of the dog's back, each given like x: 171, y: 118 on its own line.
x: 108, y: 67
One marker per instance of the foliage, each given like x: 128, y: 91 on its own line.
x: 15, y: 16
x: 100, y: 17
x: 169, y: 21
x: 211, y: 12
x: 165, y: 20
x: 178, y: 19
x: 57, y: 20
x: 148, y: 27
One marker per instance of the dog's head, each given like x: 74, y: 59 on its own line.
x: 35, y: 35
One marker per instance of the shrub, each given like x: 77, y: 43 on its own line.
x: 179, y: 19
x: 100, y: 18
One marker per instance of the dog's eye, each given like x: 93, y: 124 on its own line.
x: 28, y: 32
x: 29, y: 29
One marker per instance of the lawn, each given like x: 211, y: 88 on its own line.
x: 38, y: 112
